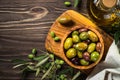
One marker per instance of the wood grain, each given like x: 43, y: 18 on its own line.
x: 24, y: 25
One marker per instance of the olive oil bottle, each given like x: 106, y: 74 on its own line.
x: 103, y: 12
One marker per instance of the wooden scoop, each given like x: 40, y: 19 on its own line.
x: 63, y: 31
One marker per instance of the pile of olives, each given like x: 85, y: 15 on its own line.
x: 82, y: 47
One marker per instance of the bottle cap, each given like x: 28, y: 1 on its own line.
x: 108, y: 3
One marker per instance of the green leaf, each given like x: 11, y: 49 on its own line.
x: 67, y: 70
x: 18, y: 61
x: 37, y: 72
x: 76, y: 75
x: 117, y: 36
x: 41, y: 62
x: 18, y: 65
x: 34, y: 51
x: 76, y: 3
x: 47, y: 72
x: 32, y: 68
x: 39, y: 58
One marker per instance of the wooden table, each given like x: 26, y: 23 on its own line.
x: 24, y: 25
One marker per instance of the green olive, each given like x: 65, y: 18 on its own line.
x: 91, y: 47
x: 84, y: 36
x: 67, y: 3
x: 94, y: 56
x: 52, y: 34
x: 92, y: 36
x: 83, y: 62
x: 68, y: 43
x: 81, y: 46
x: 79, y: 54
x: 75, y: 33
x: 75, y: 38
x: 64, y: 20
x: 31, y: 56
x: 71, y: 53
x: 56, y: 39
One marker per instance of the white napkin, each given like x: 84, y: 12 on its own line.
x: 110, y: 68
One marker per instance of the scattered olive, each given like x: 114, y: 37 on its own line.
x: 68, y: 43
x: 75, y: 33
x: 94, y: 56
x: 84, y: 62
x: 75, y: 38
x: 92, y: 36
x: 56, y: 39
x: 86, y: 56
x: 31, y: 56
x: 67, y: 3
x: 34, y: 51
x: 84, y: 36
x: 79, y: 54
x: 98, y: 47
x: 91, y: 47
x: 71, y: 53
x: 87, y: 41
x: 81, y: 46
x: 83, y: 30
x: 64, y: 20
x: 75, y: 61
x: 61, y: 62
x: 52, y: 34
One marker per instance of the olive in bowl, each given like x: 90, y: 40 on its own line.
x: 83, y: 48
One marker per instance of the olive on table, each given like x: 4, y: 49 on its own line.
x: 91, y: 47
x: 83, y: 30
x: 86, y: 56
x: 87, y: 41
x: 67, y: 3
x: 64, y: 20
x: 83, y: 62
x: 81, y: 46
x: 94, y: 56
x: 84, y: 36
x: 92, y: 36
x: 98, y: 47
x: 75, y: 38
x: 68, y: 43
x: 75, y: 33
x: 79, y: 54
x: 71, y: 53
x: 75, y: 60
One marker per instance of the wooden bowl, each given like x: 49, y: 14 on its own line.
x: 63, y: 31
x: 101, y: 52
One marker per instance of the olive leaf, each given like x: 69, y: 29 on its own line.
x: 76, y: 3
x: 37, y: 72
x: 39, y: 58
x: 66, y: 71
x: 41, y: 62
x: 18, y: 61
x: 117, y: 36
x: 47, y: 72
x: 18, y: 65
x: 31, y: 68
x: 76, y: 75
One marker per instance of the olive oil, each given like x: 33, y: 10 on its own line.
x: 102, y: 12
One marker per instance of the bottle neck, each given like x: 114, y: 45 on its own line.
x: 106, y: 5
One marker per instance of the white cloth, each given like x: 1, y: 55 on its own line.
x: 110, y: 68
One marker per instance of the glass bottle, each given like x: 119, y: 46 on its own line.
x: 104, y: 12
